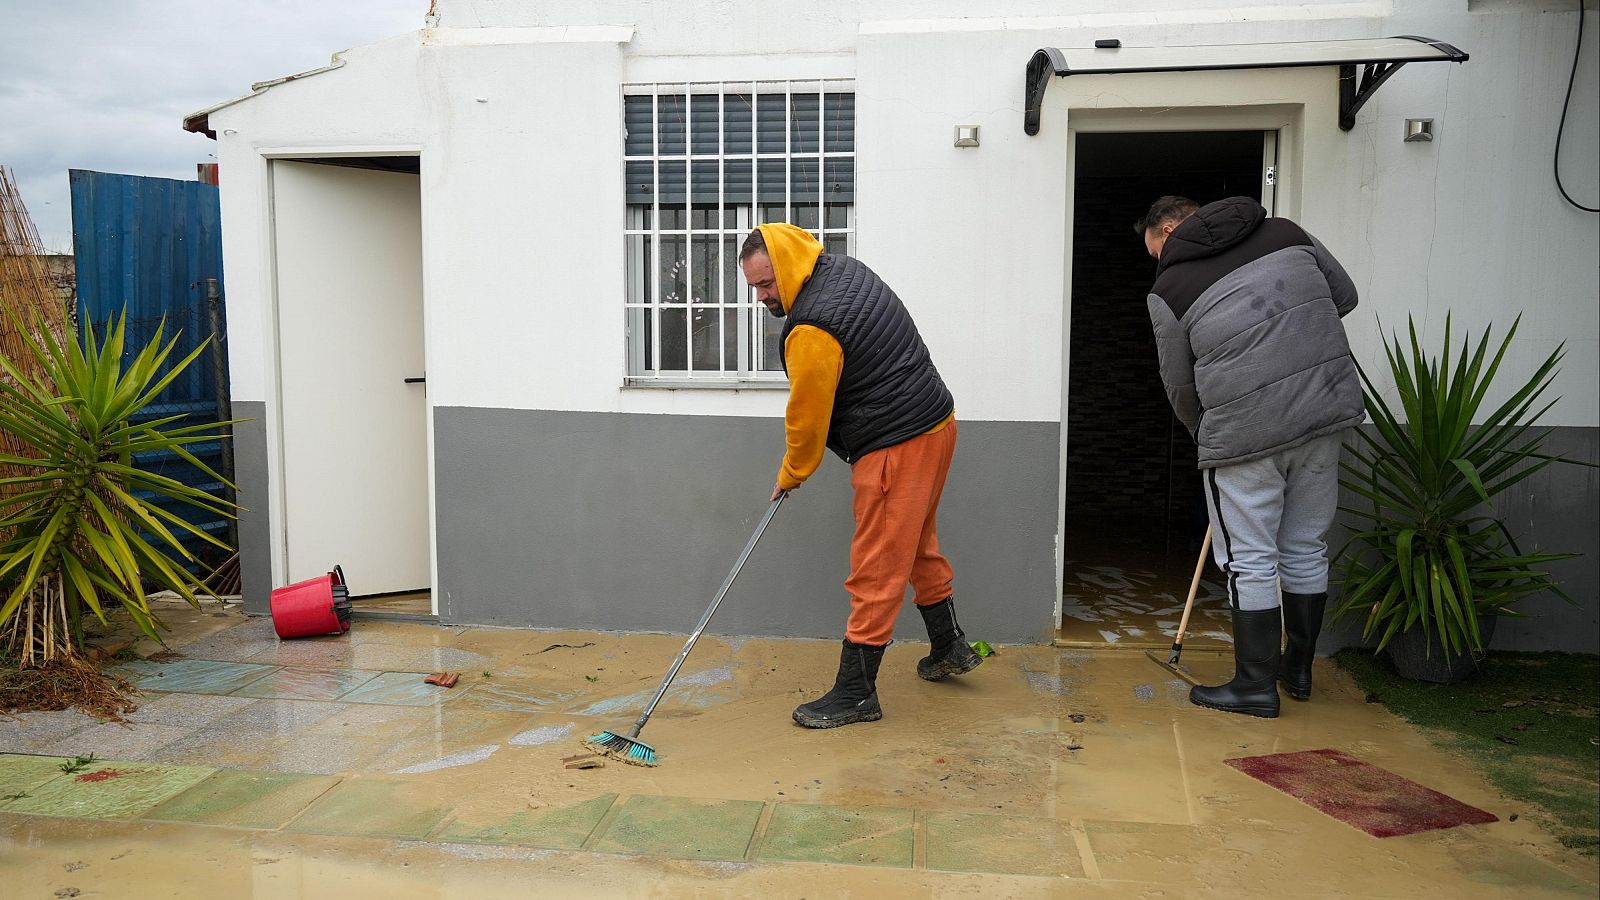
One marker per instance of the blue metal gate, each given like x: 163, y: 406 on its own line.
x: 146, y: 246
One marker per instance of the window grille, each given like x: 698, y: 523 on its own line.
x: 704, y: 164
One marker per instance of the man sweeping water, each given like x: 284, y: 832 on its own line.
x: 862, y: 384
x: 1247, y: 312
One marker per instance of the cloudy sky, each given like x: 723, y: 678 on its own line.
x: 105, y: 84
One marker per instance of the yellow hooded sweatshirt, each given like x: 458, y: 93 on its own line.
x: 813, y: 357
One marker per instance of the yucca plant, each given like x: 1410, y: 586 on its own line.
x: 1426, y: 551
x: 81, y: 526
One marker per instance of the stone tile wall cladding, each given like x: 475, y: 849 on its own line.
x: 1125, y: 448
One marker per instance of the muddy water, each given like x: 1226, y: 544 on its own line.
x: 1135, y: 605
x: 1104, y: 743
x: 45, y: 858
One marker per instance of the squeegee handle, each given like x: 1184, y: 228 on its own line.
x: 705, y: 618
x: 1194, y: 588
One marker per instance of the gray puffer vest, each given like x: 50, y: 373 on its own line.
x: 889, y: 391
x: 1246, y: 312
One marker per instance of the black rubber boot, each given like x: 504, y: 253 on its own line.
x: 1302, y: 620
x: 1254, y: 688
x: 854, y: 697
x: 951, y: 655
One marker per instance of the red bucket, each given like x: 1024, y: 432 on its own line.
x: 317, y: 606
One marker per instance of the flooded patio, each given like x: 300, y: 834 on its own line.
x: 326, y: 767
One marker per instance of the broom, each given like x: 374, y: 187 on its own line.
x: 628, y: 747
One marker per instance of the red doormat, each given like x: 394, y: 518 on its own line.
x: 1374, y: 800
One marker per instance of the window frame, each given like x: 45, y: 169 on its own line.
x: 642, y: 231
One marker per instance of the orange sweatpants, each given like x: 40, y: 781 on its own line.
x: 897, y: 493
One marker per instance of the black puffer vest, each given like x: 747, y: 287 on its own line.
x: 889, y: 391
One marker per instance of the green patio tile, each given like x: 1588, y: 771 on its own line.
x: 372, y: 808
x: 872, y: 836
x: 401, y: 689
x: 109, y: 790
x: 678, y: 826
x: 564, y: 828
x: 202, y: 676
x: 243, y: 799
x: 1006, y: 845
x: 306, y: 684
x: 22, y: 773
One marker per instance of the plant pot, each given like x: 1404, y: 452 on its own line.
x: 1422, y: 658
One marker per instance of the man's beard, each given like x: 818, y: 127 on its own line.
x: 776, y: 311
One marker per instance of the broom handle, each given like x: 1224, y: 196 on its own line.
x: 1194, y: 588
x: 706, y: 617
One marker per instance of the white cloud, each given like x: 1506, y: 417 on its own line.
x: 105, y: 84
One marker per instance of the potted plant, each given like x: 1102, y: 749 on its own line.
x: 81, y: 527
x: 1427, y: 564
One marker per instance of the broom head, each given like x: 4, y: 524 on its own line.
x: 630, y: 750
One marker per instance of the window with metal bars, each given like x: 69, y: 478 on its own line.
x: 704, y: 164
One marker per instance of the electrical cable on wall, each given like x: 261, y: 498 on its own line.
x: 1576, y: 53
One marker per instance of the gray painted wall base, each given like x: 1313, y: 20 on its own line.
x: 630, y: 522
x: 255, y: 527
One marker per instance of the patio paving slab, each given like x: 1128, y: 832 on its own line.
x: 273, y: 718
x: 322, y: 652
x: 244, y: 799
x: 960, y: 842
x: 22, y: 732
x: 695, y: 691
x: 400, y: 689
x: 511, y: 694
x: 307, y: 684
x: 682, y: 827
x: 449, y: 659
x: 241, y: 738
x: 187, y: 710
x: 350, y: 739
x: 202, y: 676
x: 109, y: 790
x: 1510, y: 870
x: 231, y: 645
x: 335, y: 755
x: 135, y: 669
x: 839, y: 834
x: 372, y: 808
x: 20, y: 774
x: 114, y: 740
x: 1243, y: 857
x: 562, y: 828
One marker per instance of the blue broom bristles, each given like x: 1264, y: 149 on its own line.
x: 629, y: 750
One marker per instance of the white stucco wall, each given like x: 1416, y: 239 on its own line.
x: 518, y: 126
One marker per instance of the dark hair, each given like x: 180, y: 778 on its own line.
x: 753, y: 244
x: 1168, y: 209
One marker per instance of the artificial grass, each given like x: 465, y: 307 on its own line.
x: 1528, y: 720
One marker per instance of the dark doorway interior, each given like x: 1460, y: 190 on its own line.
x: 1134, y: 514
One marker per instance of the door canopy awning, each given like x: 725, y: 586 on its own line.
x: 1378, y: 58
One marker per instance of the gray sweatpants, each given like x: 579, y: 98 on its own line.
x: 1270, y: 521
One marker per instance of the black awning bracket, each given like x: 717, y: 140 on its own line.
x: 1351, y: 97
x: 1047, y: 62
x: 1365, y: 67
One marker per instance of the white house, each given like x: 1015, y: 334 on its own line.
x: 536, y: 205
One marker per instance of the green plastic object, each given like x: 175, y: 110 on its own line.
x: 982, y: 648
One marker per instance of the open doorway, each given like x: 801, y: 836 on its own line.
x: 353, y: 409
x: 1135, y: 517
